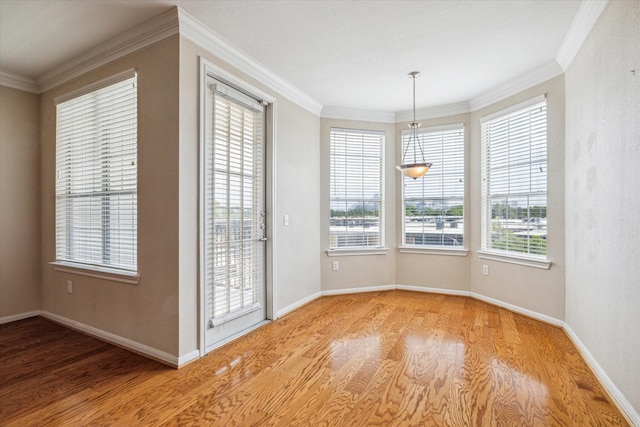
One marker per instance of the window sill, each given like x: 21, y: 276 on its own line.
x: 112, y: 274
x: 432, y: 251
x: 357, y: 252
x: 514, y: 259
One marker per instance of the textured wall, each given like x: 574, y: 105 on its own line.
x: 531, y: 288
x: 603, y: 195
x: 20, y: 290
x: 146, y: 312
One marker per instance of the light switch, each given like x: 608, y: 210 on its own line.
x: 285, y: 220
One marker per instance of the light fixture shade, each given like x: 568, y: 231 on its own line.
x: 415, y: 170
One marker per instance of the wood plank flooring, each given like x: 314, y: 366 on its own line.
x: 391, y: 358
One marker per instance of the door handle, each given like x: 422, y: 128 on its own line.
x: 262, y: 239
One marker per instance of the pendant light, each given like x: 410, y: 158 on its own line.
x: 418, y: 167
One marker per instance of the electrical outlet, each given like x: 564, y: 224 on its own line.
x: 336, y: 265
x: 69, y: 286
x: 485, y: 269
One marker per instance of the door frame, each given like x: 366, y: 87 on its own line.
x: 209, y: 69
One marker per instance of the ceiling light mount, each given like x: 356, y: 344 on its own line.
x: 419, y: 166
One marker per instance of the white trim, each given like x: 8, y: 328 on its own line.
x: 357, y: 252
x: 220, y: 320
x: 202, y: 309
x: 359, y: 290
x: 297, y: 304
x: 234, y: 337
x: 18, y: 82
x: 520, y: 310
x: 218, y: 73
x: 434, y: 112
x: 341, y: 113
x: 19, y: 316
x: 616, y: 395
x: 188, y: 358
x: 207, y: 39
x: 151, y: 32
x: 582, y: 24
x: 516, y: 259
x: 426, y: 289
x: 104, y: 273
x: 519, y: 84
x: 118, y: 340
x: 432, y: 251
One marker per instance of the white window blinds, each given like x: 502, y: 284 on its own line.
x: 514, y: 174
x: 234, y: 203
x: 434, y: 204
x: 96, y: 177
x: 356, y: 192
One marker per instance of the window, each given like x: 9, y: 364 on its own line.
x: 356, y: 196
x: 96, y: 175
x: 514, y: 180
x: 434, y: 204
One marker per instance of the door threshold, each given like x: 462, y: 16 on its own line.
x: 235, y: 336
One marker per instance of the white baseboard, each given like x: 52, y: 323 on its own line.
x: 19, y: 316
x: 136, y: 347
x: 188, y: 358
x: 297, y: 304
x: 359, y: 290
x: 520, y: 310
x: 444, y: 291
x: 619, y: 399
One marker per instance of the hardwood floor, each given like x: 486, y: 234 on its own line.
x: 384, y: 358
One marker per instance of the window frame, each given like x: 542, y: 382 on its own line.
x: 380, y: 248
x: 487, y: 251
x: 124, y: 272
x: 404, y: 247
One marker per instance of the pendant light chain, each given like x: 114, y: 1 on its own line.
x: 415, y: 169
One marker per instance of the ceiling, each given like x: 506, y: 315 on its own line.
x: 349, y: 54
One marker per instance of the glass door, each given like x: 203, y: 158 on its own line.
x: 234, y: 211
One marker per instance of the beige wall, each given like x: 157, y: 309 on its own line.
x: 603, y: 195
x: 358, y: 270
x: 20, y: 290
x: 146, y: 312
x: 430, y: 270
x: 531, y: 288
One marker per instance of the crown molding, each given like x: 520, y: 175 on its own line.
x: 18, y: 82
x: 537, y: 76
x: 582, y: 24
x: 433, y: 112
x: 202, y: 36
x: 149, y: 33
x: 341, y: 113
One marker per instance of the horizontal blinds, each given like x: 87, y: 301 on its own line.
x: 514, y: 149
x: 356, y: 192
x: 234, y: 197
x: 96, y: 177
x: 434, y: 203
